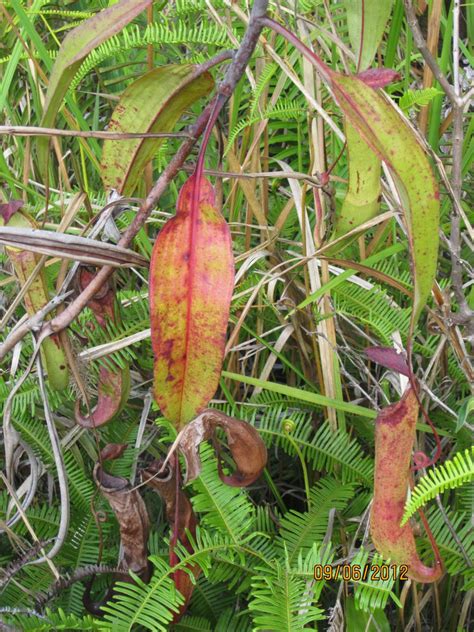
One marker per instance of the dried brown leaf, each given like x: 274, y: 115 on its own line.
x: 245, y: 444
x: 131, y: 514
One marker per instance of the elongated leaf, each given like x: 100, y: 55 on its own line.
x: 153, y: 103
x: 366, y: 20
x: 392, y: 139
x: 362, y: 200
x: 75, y: 46
x: 68, y: 246
x: 191, y: 283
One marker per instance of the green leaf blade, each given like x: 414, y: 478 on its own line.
x: 152, y: 104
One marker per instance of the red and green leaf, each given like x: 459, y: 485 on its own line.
x: 191, y: 283
x: 395, y: 142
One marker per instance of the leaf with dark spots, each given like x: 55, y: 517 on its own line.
x: 245, y: 445
x: 153, y: 103
x: 191, y: 284
x: 362, y: 200
x: 10, y: 208
x: 131, y: 514
x: 394, y: 439
x: 393, y: 140
x: 389, y: 358
x: 181, y: 518
x: 378, y: 77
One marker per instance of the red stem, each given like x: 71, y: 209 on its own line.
x: 325, y: 71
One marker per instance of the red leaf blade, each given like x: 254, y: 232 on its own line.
x: 191, y: 283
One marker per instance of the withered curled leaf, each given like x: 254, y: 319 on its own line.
x: 131, y: 514
x: 245, y: 444
x: 181, y: 517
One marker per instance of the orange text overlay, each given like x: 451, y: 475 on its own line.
x: 356, y: 572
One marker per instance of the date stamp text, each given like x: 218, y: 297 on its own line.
x: 356, y: 573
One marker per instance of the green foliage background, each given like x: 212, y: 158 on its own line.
x: 256, y: 547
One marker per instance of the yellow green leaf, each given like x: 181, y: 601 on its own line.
x: 24, y: 262
x: 366, y: 21
x: 390, y: 136
x: 361, y: 202
x: 153, y: 103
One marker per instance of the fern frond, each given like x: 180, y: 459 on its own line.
x: 284, y: 110
x: 193, y: 624
x: 283, y: 599
x: 371, y: 594
x: 222, y: 507
x: 418, y: 98
x: 210, y: 599
x: 187, y: 7
x: 44, y: 520
x: 133, y: 37
x: 149, y: 605
x: 230, y: 621
x: 451, y: 474
x: 325, y: 451
x: 29, y: 396
x: 265, y: 76
x: 62, y: 13
x: 454, y: 559
x: 82, y: 549
x: 299, y: 531
x: 372, y: 308
x: 58, y: 620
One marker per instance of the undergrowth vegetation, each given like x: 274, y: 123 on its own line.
x: 301, y: 315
